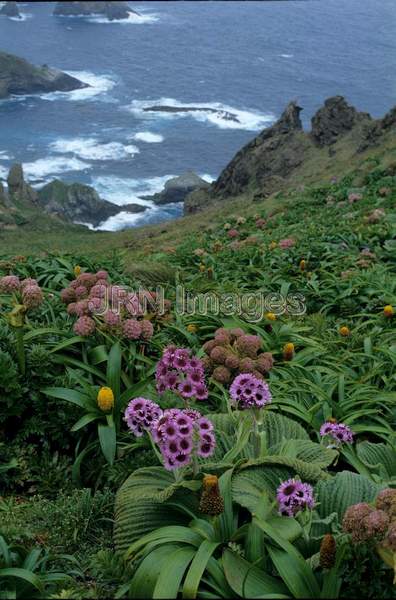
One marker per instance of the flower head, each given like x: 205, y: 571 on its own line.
x: 247, y: 391
x: 84, y: 326
x: 344, y: 331
x: 9, y: 284
x: 182, y: 433
x: 211, y: 503
x: 105, y: 399
x: 286, y: 243
x: 132, y: 329
x: 293, y: 495
x: 288, y: 351
x: 340, y: 432
x: 141, y: 414
x: 32, y: 296
x: 327, y: 551
x: 179, y: 371
x: 389, y: 311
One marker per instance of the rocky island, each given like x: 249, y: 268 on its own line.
x: 80, y: 203
x: 177, y: 189
x: 113, y: 11
x: 18, y: 76
x: 10, y: 9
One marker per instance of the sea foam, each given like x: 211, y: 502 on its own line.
x: 51, y: 166
x: 244, y: 119
x: 92, y: 149
x: 98, y: 85
x: 148, y: 137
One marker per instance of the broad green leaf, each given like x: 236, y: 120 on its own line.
x: 108, y: 441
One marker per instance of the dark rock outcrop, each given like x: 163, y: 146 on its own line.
x: 177, y: 188
x: 10, y: 9
x: 274, y: 152
x: 335, y: 118
x: 18, y: 76
x: 282, y: 152
x: 225, y: 115
x: 114, y: 11
x: 77, y: 202
x: 19, y: 192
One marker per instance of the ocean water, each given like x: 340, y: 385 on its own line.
x: 246, y: 58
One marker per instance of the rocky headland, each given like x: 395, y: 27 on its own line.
x: 19, y: 77
x: 267, y: 163
x: 70, y: 203
x: 113, y: 11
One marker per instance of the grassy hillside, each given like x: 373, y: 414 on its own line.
x: 42, y: 234
x: 326, y: 245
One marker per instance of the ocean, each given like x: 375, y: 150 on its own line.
x: 245, y: 58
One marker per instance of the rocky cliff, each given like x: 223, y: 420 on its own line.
x: 18, y: 76
x: 114, y: 11
x: 279, y: 153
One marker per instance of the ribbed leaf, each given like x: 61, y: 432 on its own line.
x: 343, y: 490
x: 378, y: 457
x: 139, y: 506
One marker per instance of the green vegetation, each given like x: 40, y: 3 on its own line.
x: 212, y: 528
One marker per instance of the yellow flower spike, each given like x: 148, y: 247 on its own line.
x: 344, y: 331
x: 202, y: 268
x: 191, y: 328
x: 273, y: 245
x: 288, y: 351
x: 105, y: 399
x: 389, y: 311
x: 270, y: 316
x: 77, y: 270
x: 303, y: 264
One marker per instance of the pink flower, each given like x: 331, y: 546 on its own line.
x: 286, y: 243
x: 9, y: 284
x: 132, y: 329
x: 233, y: 233
x: 84, y: 326
x: 147, y: 329
x: 32, y: 296
x: 354, y: 197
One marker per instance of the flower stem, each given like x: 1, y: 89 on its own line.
x: 20, y: 348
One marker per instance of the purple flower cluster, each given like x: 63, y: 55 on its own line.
x: 247, y: 391
x: 292, y: 496
x: 181, y: 433
x: 180, y: 372
x: 141, y: 414
x: 340, y: 432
